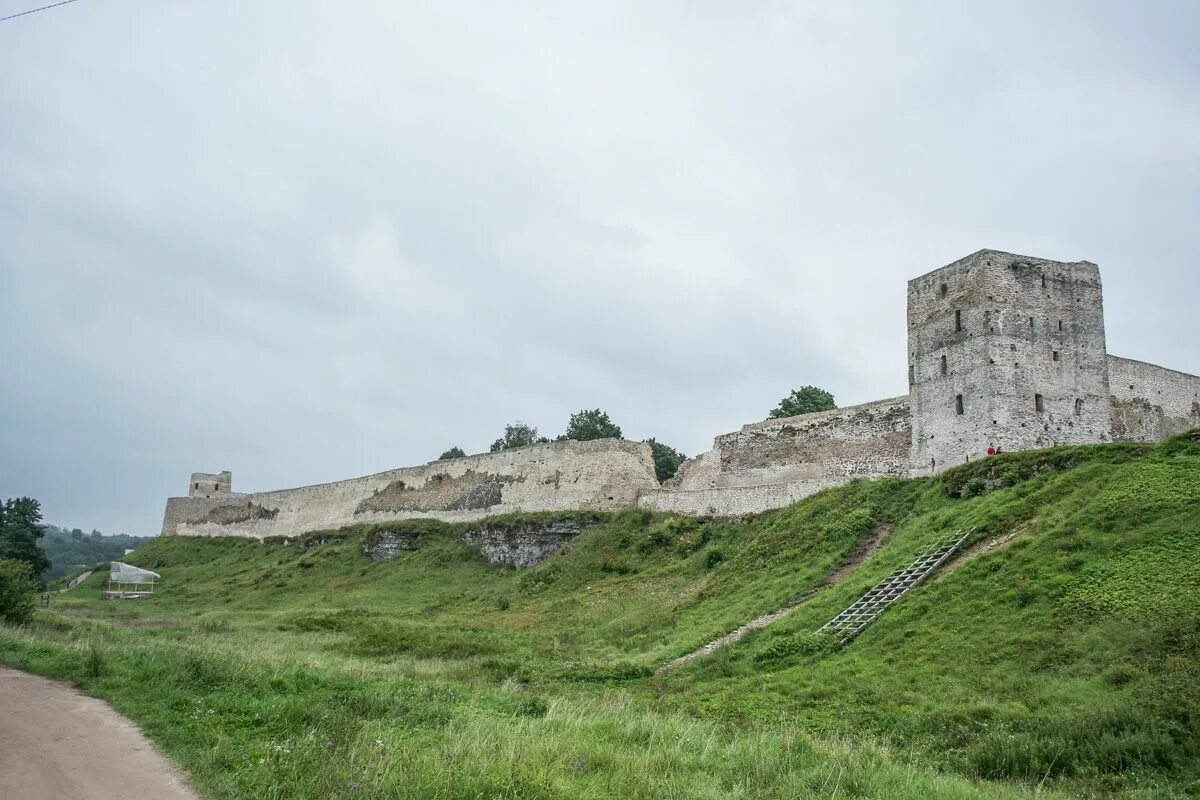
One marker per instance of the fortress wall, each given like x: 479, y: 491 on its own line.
x: 863, y: 440
x: 734, y: 501
x: 1151, y: 402
x: 602, y: 474
x: 779, y: 461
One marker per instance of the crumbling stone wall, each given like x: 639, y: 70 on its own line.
x: 776, y: 462
x: 559, y: 476
x: 1151, y: 402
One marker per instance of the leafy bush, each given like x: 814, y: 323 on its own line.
x: 591, y: 424
x: 713, y: 557
x: 973, y: 488
x: 1119, y: 674
x: 805, y: 400
x: 659, y: 536
x: 781, y: 647
x: 532, y: 706
x: 518, y: 434
x: 666, y: 459
x: 17, y: 587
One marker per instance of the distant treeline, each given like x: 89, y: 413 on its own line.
x: 70, y: 550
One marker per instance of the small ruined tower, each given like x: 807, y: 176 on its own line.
x: 1005, y: 351
x: 206, y: 484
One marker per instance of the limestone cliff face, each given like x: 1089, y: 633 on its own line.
x: 521, y: 545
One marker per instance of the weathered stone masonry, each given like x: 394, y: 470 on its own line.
x: 1004, y: 350
x: 777, y: 462
x: 604, y: 474
x: 1150, y: 402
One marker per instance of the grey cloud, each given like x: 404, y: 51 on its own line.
x: 305, y: 243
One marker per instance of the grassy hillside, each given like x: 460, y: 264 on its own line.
x: 1059, y: 654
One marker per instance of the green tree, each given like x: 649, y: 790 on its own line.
x: 591, y: 424
x: 17, y: 587
x: 804, y: 400
x: 453, y: 452
x: 666, y: 460
x: 20, y: 529
x: 517, y: 434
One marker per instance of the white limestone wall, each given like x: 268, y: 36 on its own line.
x: 778, y: 462
x: 601, y: 474
x: 734, y: 501
x: 1150, y: 402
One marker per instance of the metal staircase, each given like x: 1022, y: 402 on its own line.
x: 866, y: 609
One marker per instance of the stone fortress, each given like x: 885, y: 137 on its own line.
x: 1004, y: 351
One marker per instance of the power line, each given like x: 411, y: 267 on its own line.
x: 35, y: 10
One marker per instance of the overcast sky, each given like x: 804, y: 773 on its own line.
x: 309, y: 241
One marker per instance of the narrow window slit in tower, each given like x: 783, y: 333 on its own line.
x: 1043, y: 281
x: 1078, y: 407
x: 944, y: 369
x: 1056, y: 355
x: 958, y: 403
x: 958, y: 320
x: 1060, y: 324
x: 912, y: 374
x: 945, y: 290
x: 1038, y: 404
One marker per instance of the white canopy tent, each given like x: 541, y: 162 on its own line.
x: 126, y: 580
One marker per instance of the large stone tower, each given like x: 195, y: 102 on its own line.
x: 1005, y: 350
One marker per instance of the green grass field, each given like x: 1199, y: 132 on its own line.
x: 1058, y: 656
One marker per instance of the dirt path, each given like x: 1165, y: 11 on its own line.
x: 82, y: 577
x: 56, y: 743
x: 868, y: 546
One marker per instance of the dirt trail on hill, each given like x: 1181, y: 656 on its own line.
x: 83, y: 577
x: 867, y: 546
x: 57, y: 743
